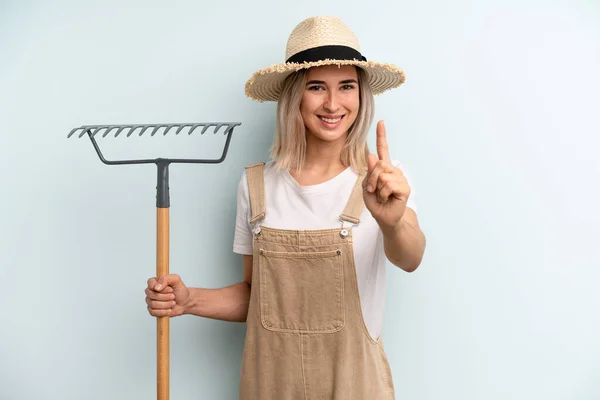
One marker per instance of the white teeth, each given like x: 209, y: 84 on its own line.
x: 331, y: 121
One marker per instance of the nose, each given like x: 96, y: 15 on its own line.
x: 331, y: 104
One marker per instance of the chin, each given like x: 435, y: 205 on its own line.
x: 330, y: 136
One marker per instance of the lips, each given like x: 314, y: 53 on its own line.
x: 331, y: 122
x: 331, y: 119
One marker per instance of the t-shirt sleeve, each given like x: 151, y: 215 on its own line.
x: 242, y: 241
x: 412, y: 199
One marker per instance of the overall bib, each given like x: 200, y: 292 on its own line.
x: 306, y: 338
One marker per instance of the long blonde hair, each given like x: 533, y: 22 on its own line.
x: 289, y: 143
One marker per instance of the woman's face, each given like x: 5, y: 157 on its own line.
x: 330, y: 101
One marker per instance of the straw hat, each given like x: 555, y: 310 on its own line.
x: 320, y: 41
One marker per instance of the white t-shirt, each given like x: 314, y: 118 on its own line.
x: 291, y: 206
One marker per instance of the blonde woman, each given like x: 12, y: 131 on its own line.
x: 315, y: 226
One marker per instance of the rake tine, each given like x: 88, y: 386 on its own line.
x: 87, y: 130
x: 72, y: 132
x: 132, y: 129
x: 144, y: 129
x: 206, y: 127
x: 108, y: 129
x: 97, y: 128
x: 229, y: 128
x: 181, y: 127
x: 168, y: 129
x: 158, y: 127
x: 219, y: 127
x: 119, y: 131
x: 194, y: 128
x: 155, y: 129
x: 84, y: 129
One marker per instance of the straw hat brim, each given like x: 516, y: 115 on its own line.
x: 266, y: 84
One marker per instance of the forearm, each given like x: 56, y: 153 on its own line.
x: 404, y: 244
x: 227, y: 304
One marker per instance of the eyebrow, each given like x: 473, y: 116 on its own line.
x: 341, y: 82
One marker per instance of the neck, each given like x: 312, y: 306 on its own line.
x: 322, y: 161
x: 321, y: 154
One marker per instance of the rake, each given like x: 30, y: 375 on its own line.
x: 162, y: 210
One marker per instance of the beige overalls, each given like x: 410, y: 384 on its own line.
x: 306, y: 337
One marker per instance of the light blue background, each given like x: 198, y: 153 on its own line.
x: 497, y: 124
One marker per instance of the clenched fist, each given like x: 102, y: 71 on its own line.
x: 166, y: 296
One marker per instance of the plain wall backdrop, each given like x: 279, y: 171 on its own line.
x: 497, y: 124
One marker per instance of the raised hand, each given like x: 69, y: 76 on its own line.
x: 385, y: 189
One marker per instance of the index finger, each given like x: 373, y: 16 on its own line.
x: 152, y: 286
x: 382, y: 147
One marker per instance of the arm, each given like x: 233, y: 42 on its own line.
x: 386, y: 192
x: 404, y: 244
x: 227, y: 304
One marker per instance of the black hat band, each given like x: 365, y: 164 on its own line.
x: 326, y: 52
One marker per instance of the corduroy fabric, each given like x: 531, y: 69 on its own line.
x: 306, y: 338
x: 257, y: 201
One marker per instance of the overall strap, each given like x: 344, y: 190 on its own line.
x: 256, y: 189
x: 355, y: 205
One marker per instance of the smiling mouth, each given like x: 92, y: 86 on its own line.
x: 331, y: 120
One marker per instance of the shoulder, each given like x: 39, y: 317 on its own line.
x: 270, y: 172
x: 268, y: 168
x: 265, y: 165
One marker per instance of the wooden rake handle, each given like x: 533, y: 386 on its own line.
x: 162, y: 323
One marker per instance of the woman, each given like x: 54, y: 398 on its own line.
x: 315, y: 227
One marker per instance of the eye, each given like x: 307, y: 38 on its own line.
x: 347, y: 87
x: 316, y: 87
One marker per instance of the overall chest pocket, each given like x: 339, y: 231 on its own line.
x: 302, y: 291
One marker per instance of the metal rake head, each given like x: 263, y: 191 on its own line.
x: 93, y: 130
x: 162, y: 188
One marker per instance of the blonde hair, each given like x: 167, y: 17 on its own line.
x: 289, y: 143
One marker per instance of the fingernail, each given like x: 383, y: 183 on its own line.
x: 157, y: 287
x: 370, y: 188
